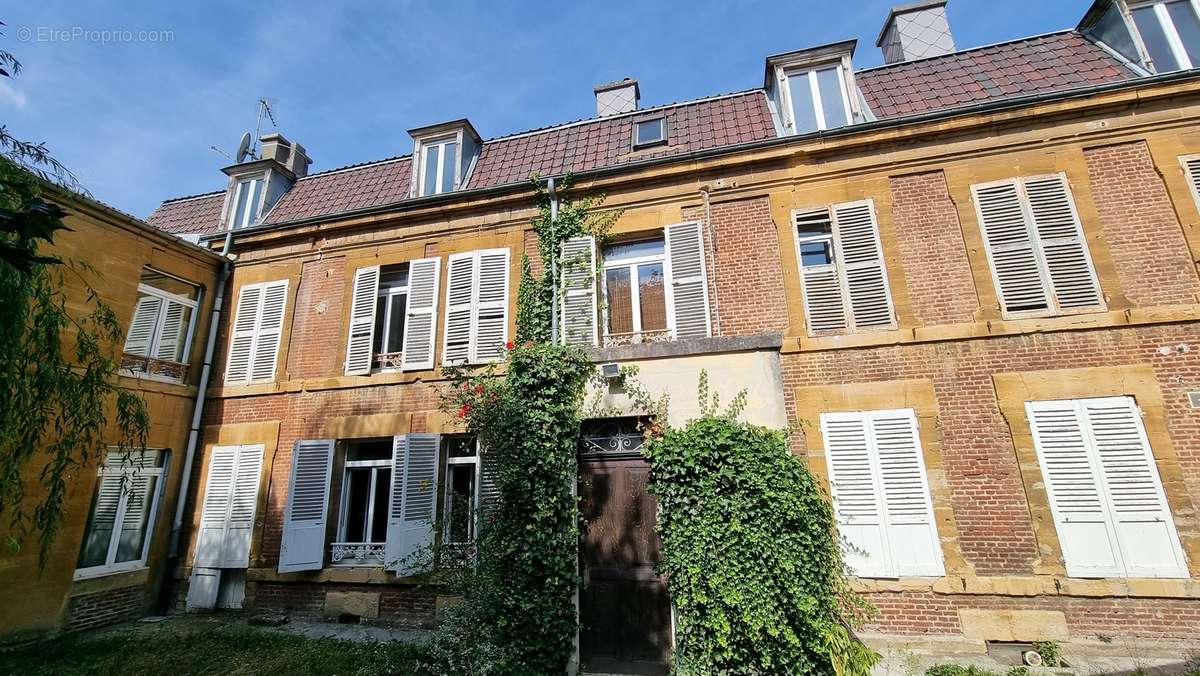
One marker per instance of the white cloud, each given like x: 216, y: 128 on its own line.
x: 11, y: 95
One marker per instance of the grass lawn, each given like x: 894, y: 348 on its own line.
x: 211, y: 648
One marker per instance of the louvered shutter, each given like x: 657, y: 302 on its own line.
x: 578, y: 317
x: 141, y: 329
x: 1010, y: 247
x: 137, y: 502
x: 241, y: 341
x: 489, y: 488
x: 689, y: 284
x: 861, y: 262
x: 420, y: 323
x: 104, y: 514
x: 174, y: 333
x: 361, y: 338
x: 856, y: 497
x: 417, y: 513
x: 270, y: 330
x: 1191, y: 172
x: 460, y: 286
x: 1061, y: 237
x: 214, y: 511
x: 243, y: 504
x: 304, y: 517
x: 911, y: 530
x: 394, y: 543
x: 490, y: 324
x: 824, y: 307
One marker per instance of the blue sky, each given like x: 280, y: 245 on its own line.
x: 135, y: 119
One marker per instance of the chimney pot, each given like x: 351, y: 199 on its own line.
x: 916, y: 31
x: 617, y: 97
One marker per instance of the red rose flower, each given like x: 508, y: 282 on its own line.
x: 508, y: 345
x: 462, y: 412
x: 479, y: 389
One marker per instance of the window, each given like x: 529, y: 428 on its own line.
x: 246, y: 198
x: 635, y: 289
x: 392, y: 317
x: 1101, y: 479
x: 881, y: 493
x: 476, y: 307
x: 649, y: 132
x: 363, y: 516
x: 1171, y: 33
x: 842, y: 273
x: 1036, y: 248
x: 256, y: 332
x: 461, y: 499
x: 121, y: 519
x: 818, y: 98
x: 439, y: 162
x: 160, y: 333
x: 229, y: 505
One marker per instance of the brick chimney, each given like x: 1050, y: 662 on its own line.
x: 617, y: 97
x: 916, y: 31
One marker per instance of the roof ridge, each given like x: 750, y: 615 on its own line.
x: 197, y: 196
x: 358, y: 165
x: 968, y: 50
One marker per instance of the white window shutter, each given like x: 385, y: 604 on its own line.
x: 861, y: 263
x: 214, y: 511
x: 489, y: 488
x: 824, y: 306
x: 243, y: 504
x: 1085, y: 531
x: 1146, y: 532
x: 361, y: 339
x: 141, y: 329
x: 270, y: 330
x: 1062, y: 243
x: 307, y: 508
x: 688, y: 280
x: 460, y: 287
x: 174, y: 333
x: 394, y: 544
x: 419, y: 508
x: 578, y: 317
x: 857, y: 499
x: 241, y: 334
x: 490, y: 321
x: 1009, y: 243
x: 420, y: 324
x: 1191, y: 172
x: 911, y: 529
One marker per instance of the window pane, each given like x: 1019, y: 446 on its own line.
x: 381, y: 308
x: 243, y: 198
x: 100, y: 522
x: 395, y: 333
x: 430, y: 170
x: 461, y: 505
x: 460, y: 447
x: 169, y: 284
x: 649, y: 131
x: 1188, y: 27
x: 357, y: 501
x: 815, y: 253
x: 449, y: 157
x: 370, y: 450
x: 816, y: 224
x: 1155, y: 39
x: 620, y: 300
x: 134, y: 523
x: 652, y: 296
x: 615, y: 253
x: 393, y: 276
x: 383, y: 485
x: 832, y: 103
x: 803, y: 113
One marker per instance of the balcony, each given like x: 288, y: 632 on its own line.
x: 389, y: 361
x: 356, y: 554
x: 636, y: 338
x: 139, y: 366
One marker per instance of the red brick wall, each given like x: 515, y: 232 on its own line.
x: 980, y: 462
x: 405, y: 603
x: 98, y: 609
x: 1140, y: 226
x: 936, y: 270
x: 317, y: 341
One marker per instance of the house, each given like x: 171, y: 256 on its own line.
x: 109, y: 561
x: 966, y: 278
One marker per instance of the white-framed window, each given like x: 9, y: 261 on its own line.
x: 1036, y: 248
x: 649, y: 132
x: 121, y: 520
x: 256, y: 332
x: 439, y: 165
x: 160, y: 333
x: 635, y: 288
x: 363, y: 513
x: 392, y: 313
x: 817, y: 98
x: 460, y: 501
x: 1101, y: 478
x: 842, y: 271
x: 476, y: 307
x: 1170, y: 31
x: 247, y: 195
x: 881, y: 493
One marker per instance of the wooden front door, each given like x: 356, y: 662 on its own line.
x: 624, y: 608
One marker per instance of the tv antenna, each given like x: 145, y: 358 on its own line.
x: 248, y: 145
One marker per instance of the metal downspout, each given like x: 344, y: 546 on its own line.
x: 712, y: 241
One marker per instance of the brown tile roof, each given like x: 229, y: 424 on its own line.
x: 189, y: 215
x: 344, y: 189
x: 1047, y: 63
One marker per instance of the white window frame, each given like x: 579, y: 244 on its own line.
x: 168, y: 297
x: 1174, y: 42
x: 439, y: 143
x: 251, y: 215
x: 344, y: 506
x: 635, y: 297
x: 818, y: 104
x: 448, y: 494
x: 132, y: 469
x: 638, y: 143
x: 385, y: 303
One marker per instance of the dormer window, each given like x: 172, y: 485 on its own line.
x: 438, y: 161
x: 1170, y: 31
x: 813, y: 89
x: 246, y: 197
x: 650, y: 132
x: 443, y: 157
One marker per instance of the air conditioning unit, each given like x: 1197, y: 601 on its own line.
x: 610, y: 371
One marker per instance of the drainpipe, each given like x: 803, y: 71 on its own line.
x: 189, y: 457
x: 553, y: 261
x: 712, y: 259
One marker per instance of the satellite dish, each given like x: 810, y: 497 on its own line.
x: 243, y: 148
